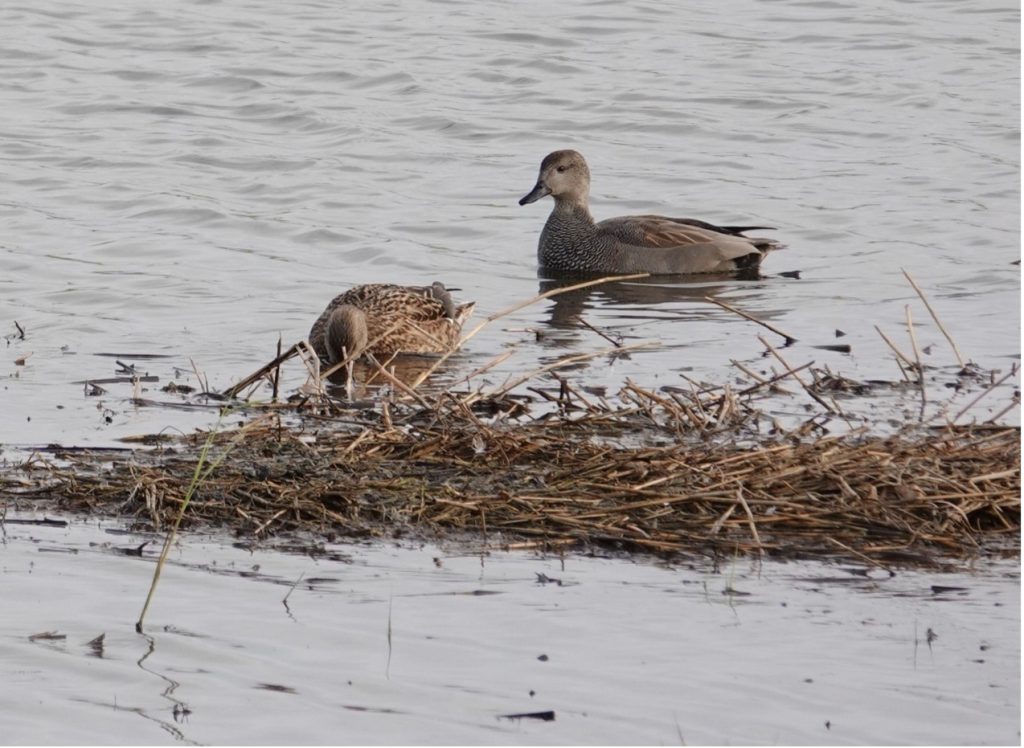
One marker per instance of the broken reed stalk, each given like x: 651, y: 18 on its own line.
x: 835, y: 409
x: 989, y: 389
x: 617, y: 343
x: 938, y: 323
x: 917, y: 355
x: 750, y: 517
x: 1014, y: 403
x: 500, y: 358
x: 259, y: 373
x: 199, y: 377
x: 789, y: 338
x: 900, y: 356
x: 277, y: 370
x: 761, y: 383
x: 201, y: 473
x: 398, y: 383
x: 563, y: 362
x: 515, y: 308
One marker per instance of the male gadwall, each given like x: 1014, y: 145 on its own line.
x: 572, y: 242
x: 384, y: 319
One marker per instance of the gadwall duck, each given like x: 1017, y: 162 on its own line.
x: 572, y: 242
x: 384, y: 319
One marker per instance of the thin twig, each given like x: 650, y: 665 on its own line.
x: 952, y: 343
x: 917, y: 355
x: 750, y: 516
x: 236, y: 388
x: 613, y: 341
x: 789, y: 338
x: 396, y: 382
x: 277, y: 371
x: 975, y: 401
x: 899, y: 354
x: 515, y: 308
x: 563, y: 362
x: 792, y: 372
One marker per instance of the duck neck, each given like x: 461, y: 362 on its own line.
x: 569, y: 231
x: 576, y: 205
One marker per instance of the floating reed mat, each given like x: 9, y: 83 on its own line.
x: 558, y: 483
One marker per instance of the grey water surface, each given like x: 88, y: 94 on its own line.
x: 182, y: 183
x: 196, y: 179
x: 437, y: 645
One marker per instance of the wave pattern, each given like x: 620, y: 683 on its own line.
x: 194, y: 178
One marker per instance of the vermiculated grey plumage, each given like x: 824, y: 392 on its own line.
x: 572, y: 242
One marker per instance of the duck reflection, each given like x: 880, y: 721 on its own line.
x: 406, y: 368
x: 639, y: 299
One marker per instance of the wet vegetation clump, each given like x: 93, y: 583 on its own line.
x: 541, y: 462
x: 657, y: 472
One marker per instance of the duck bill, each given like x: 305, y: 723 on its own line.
x: 536, y: 194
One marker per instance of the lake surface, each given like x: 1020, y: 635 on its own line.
x: 437, y: 645
x: 181, y: 184
x: 197, y: 179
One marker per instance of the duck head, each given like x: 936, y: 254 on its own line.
x: 565, y: 176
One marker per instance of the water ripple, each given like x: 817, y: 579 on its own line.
x: 285, y: 152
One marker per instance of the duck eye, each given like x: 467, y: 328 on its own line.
x: 561, y: 168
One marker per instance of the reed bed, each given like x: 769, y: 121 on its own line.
x: 655, y: 472
x: 692, y: 468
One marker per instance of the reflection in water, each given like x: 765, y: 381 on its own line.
x: 406, y: 368
x: 642, y: 296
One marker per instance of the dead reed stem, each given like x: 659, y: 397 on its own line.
x: 515, y: 308
x: 831, y: 408
x: 986, y: 392
x: 448, y: 470
x: 917, y: 355
x: 935, y: 317
x: 789, y: 338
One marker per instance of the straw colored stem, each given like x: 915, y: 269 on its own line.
x: 917, y: 354
x: 938, y: 323
x: 988, y: 390
x: 515, y: 308
x: 900, y: 356
x: 792, y: 372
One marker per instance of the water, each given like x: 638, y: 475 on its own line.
x: 266, y: 647
x: 196, y: 179
x: 193, y: 180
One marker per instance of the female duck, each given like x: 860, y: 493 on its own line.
x: 384, y: 319
x: 572, y: 242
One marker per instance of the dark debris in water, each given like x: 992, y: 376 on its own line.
x: 275, y: 687
x: 96, y: 645
x: 544, y: 716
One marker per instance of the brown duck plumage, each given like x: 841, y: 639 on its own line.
x: 572, y: 242
x: 385, y: 319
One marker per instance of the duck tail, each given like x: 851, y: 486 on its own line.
x: 463, y: 312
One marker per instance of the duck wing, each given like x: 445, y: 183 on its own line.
x: 734, y: 230
x: 663, y: 232
x: 661, y: 245
x: 659, y: 231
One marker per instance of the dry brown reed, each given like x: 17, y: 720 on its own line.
x: 672, y: 471
x: 686, y: 469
